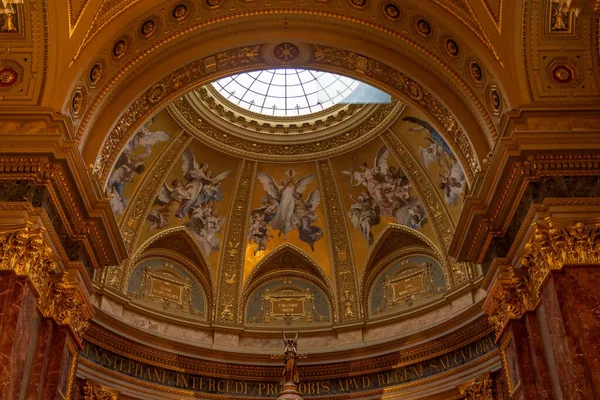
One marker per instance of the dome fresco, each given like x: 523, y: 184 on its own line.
x: 379, y: 183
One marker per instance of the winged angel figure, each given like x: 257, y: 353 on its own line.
x: 129, y: 164
x: 284, y: 209
x: 193, y: 200
x: 385, y: 191
x: 436, y: 150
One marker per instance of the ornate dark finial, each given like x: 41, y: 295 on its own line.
x: 290, y: 377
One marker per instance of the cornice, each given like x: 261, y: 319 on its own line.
x: 396, y: 353
x: 531, y: 152
x: 307, y: 147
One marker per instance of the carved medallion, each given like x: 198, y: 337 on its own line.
x: 286, y: 52
x: 562, y: 74
x: 213, y: 3
x: 8, y: 76
x: 119, y: 48
x: 77, y: 102
x: 391, y: 11
x: 423, y: 27
x: 475, y: 72
x: 452, y: 48
x: 155, y: 93
x: 148, y: 28
x: 180, y: 11
x: 358, y: 3
x: 495, y: 101
x: 95, y: 73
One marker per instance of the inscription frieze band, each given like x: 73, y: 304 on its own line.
x: 166, y: 379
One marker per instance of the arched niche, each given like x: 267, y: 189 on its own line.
x: 291, y: 264
x: 404, y: 282
x: 168, y: 287
x: 290, y: 302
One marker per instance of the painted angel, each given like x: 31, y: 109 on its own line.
x: 374, y: 179
x: 364, y: 214
x: 123, y: 172
x: 259, y: 232
x: 198, y: 177
x: 286, y: 195
x: 453, y: 184
x: 304, y: 214
x: 435, y: 149
x: 170, y: 199
x: 146, y: 139
x: 204, y: 226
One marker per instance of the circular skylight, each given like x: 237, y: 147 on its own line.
x: 286, y: 92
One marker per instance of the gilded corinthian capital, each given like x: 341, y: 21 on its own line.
x: 477, y: 389
x: 67, y: 304
x: 23, y: 251
x: 550, y: 248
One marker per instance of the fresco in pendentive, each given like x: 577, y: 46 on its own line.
x: 442, y: 165
x: 136, y: 158
x: 376, y: 192
x: 286, y: 208
x: 197, y: 195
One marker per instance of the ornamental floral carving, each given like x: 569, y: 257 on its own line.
x: 23, y: 251
x: 478, y: 389
x: 549, y: 249
x: 67, y: 304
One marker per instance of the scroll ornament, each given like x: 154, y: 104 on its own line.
x: 550, y: 248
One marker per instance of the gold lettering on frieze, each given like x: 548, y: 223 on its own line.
x: 424, y: 369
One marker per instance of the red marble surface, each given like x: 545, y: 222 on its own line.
x: 17, y: 313
x: 539, y: 365
x: 59, y: 364
x: 41, y: 357
x: 575, y: 381
x: 520, y: 368
x: 578, y: 293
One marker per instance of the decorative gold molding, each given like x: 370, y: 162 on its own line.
x: 227, y: 306
x: 93, y: 391
x: 479, y: 388
x: 550, y: 248
x: 341, y: 250
x: 183, y: 79
x: 325, y: 58
x: 284, y: 148
x: 424, y: 100
x: 150, y: 354
x: 480, y: 229
x: 22, y: 250
x: 67, y: 304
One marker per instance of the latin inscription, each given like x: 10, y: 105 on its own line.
x: 308, y: 387
x: 408, y: 286
x: 166, y: 290
x: 287, y: 306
